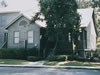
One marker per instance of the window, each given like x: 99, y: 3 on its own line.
x: 69, y: 37
x: 23, y: 23
x: 16, y: 37
x: 2, y: 20
x: 30, y: 37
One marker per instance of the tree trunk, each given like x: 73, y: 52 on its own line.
x: 44, y: 50
x: 55, y: 47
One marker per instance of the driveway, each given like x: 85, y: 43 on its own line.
x: 46, y: 71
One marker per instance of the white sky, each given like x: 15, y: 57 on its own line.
x: 22, y: 4
x: 26, y: 6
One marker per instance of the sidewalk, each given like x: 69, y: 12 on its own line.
x: 39, y: 64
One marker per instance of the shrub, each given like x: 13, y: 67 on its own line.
x: 56, y: 58
x: 13, y: 53
x: 20, y: 53
x: 17, y: 53
x: 51, y: 57
x: 75, y: 57
x: 32, y: 58
x: 70, y: 58
x: 32, y: 52
x: 97, y: 53
x: 61, y: 58
x: 63, y: 52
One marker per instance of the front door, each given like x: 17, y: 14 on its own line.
x: 22, y: 39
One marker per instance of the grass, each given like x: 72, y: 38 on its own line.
x: 72, y: 63
x: 51, y: 63
x: 13, y: 61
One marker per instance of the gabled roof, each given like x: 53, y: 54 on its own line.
x: 22, y: 15
x: 86, y: 16
x: 10, y: 24
x: 8, y: 10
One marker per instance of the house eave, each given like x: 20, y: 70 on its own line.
x: 17, y: 18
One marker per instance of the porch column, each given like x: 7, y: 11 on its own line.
x: 83, y: 43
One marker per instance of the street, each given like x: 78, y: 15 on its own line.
x: 46, y: 71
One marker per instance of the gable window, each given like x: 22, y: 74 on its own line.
x: 30, y: 36
x: 16, y: 37
x: 23, y: 23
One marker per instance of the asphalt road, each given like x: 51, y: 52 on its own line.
x: 46, y: 71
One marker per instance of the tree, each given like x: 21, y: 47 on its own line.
x: 88, y: 3
x: 62, y: 21
x: 96, y: 3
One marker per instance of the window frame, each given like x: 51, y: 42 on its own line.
x: 16, y: 37
x: 30, y: 37
x: 20, y: 23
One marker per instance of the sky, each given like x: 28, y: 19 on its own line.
x: 28, y: 7
x: 24, y: 5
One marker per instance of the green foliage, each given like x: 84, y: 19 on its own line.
x: 96, y: 55
x: 84, y: 3
x: 96, y: 3
x: 75, y: 57
x: 12, y: 53
x: 63, y: 52
x: 72, y: 63
x: 32, y: 52
x: 32, y: 58
x: 76, y: 63
x: 88, y: 3
x: 17, y: 53
x: 56, y: 57
x: 61, y: 18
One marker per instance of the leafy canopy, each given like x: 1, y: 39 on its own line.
x: 61, y: 18
x: 60, y: 15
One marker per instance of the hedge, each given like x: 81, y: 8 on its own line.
x: 77, y: 58
x: 17, y: 53
x: 56, y: 57
x: 32, y: 58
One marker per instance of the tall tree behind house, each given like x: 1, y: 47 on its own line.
x: 62, y: 19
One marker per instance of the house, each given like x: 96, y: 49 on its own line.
x: 16, y: 30
x: 88, y: 33
x: 6, y: 16
x: 86, y: 42
x: 22, y: 34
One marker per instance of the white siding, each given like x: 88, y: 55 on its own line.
x: 91, y: 36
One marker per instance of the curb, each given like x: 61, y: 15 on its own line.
x: 56, y: 67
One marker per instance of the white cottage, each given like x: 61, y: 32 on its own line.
x: 88, y: 35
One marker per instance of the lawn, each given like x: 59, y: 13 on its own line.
x: 72, y: 63
x: 13, y: 61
